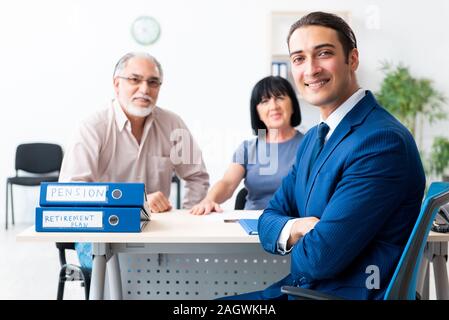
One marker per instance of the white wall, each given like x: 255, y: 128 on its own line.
x: 57, y: 60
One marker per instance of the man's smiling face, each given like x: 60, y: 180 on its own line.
x: 323, y: 74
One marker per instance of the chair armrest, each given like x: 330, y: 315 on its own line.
x: 307, y: 294
x: 65, y: 245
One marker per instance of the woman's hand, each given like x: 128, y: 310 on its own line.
x: 206, y: 206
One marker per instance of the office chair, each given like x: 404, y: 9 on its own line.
x: 176, y: 180
x: 240, y: 200
x: 41, y: 159
x: 402, y: 285
x: 71, y: 272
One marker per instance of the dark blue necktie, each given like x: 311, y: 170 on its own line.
x: 323, y: 129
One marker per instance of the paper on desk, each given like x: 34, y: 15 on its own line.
x: 234, y: 215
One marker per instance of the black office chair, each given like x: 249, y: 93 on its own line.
x: 41, y: 159
x: 176, y: 180
x: 403, y: 283
x: 240, y: 200
x: 71, y: 272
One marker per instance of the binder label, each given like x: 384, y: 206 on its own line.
x: 78, y: 193
x: 72, y: 219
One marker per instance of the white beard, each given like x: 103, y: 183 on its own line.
x: 137, y: 111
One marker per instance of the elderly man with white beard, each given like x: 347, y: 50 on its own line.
x: 133, y: 140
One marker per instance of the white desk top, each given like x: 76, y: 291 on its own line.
x: 171, y: 227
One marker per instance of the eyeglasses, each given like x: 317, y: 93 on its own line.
x: 152, y: 82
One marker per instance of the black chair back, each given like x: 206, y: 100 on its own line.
x: 240, y: 200
x: 43, y: 159
x: 176, y: 181
x: 39, y: 157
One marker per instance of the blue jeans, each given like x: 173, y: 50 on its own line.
x: 84, y: 250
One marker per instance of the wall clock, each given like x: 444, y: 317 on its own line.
x: 145, y: 30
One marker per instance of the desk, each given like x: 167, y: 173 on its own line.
x: 175, y: 232
x: 178, y: 232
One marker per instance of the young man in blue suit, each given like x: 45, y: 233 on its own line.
x: 348, y: 205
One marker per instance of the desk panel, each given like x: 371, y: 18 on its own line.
x: 198, y: 276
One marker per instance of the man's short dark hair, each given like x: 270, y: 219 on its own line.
x: 273, y: 86
x: 328, y: 20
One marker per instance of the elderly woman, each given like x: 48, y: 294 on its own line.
x: 265, y: 160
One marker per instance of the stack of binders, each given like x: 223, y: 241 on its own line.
x: 92, y: 207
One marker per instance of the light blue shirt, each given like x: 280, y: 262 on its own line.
x: 265, y: 164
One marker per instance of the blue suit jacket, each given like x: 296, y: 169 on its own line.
x: 366, y: 188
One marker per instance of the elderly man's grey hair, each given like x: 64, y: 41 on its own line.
x: 121, y: 64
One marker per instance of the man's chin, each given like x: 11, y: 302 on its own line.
x: 142, y: 105
x: 317, y: 100
x: 138, y: 111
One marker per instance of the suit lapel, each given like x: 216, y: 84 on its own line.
x: 354, y: 118
x: 342, y: 130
